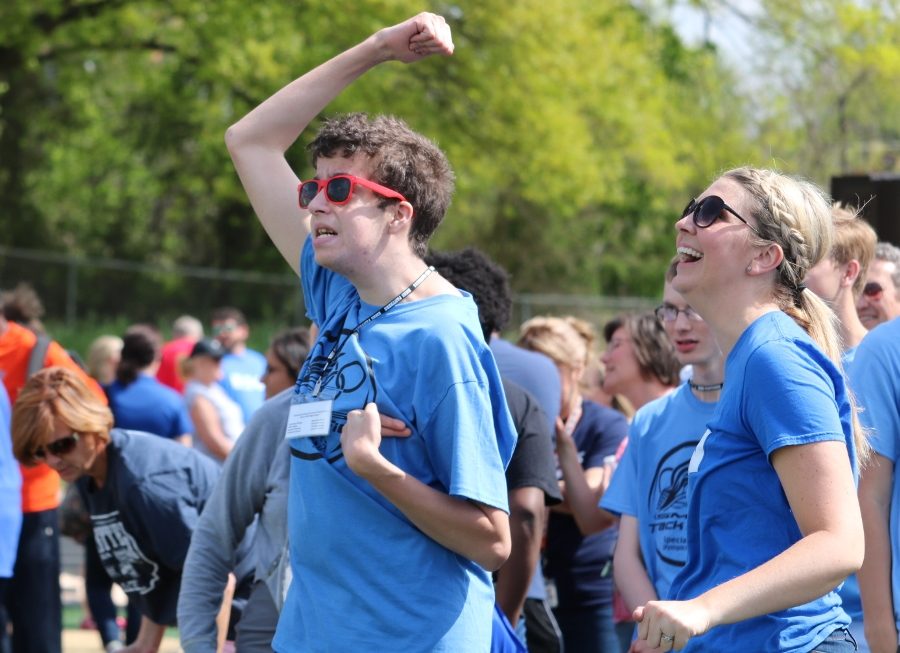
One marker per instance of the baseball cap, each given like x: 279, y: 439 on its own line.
x: 207, y: 347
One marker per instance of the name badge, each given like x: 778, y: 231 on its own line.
x: 306, y: 420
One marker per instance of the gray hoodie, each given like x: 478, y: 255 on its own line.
x: 254, y: 481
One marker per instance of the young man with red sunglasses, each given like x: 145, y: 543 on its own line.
x: 391, y: 540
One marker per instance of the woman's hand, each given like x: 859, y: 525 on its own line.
x: 414, y: 39
x: 668, y: 625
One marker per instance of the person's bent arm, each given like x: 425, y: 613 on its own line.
x: 875, y: 485
x: 582, y: 488
x: 818, y: 483
x: 473, y: 530
x: 629, y: 571
x: 149, y: 637
x: 242, y: 492
x: 208, y: 426
x: 526, y: 524
x: 258, y: 141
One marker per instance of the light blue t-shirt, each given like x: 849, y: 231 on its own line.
x: 780, y: 390
x: 241, y: 380
x: 650, y: 483
x: 875, y: 378
x: 363, y: 575
x: 10, y: 492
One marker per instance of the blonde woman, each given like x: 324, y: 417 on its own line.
x: 773, y: 519
x: 586, y: 433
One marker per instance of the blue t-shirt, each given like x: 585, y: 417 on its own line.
x: 582, y: 566
x: 241, y: 375
x: 363, y: 574
x: 147, y: 405
x: 875, y: 378
x: 10, y: 492
x: 780, y: 390
x: 650, y: 483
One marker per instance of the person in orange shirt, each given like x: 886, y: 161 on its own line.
x: 33, y: 600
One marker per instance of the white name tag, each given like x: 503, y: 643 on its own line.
x: 309, y: 419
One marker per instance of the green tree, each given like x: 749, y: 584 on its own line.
x: 577, y: 129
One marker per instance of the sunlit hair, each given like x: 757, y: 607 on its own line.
x: 401, y: 159
x: 652, y: 347
x: 854, y: 240
x: 795, y: 214
x: 55, y: 393
x: 102, y: 350
x: 187, y: 326
x: 555, y: 338
x: 890, y: 254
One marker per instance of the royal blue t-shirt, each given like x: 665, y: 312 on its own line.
x: 780, y: 390
x: 364, y: 576
x: 582, y: 566
x: 650, y: 483
x: 875, y: 378
x: 147, y: 405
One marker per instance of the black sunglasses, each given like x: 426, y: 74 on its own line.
x: 709, y: 209
x: 58, y: 447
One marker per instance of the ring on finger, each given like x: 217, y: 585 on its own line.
x: 667, y: 638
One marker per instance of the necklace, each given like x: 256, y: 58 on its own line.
x: 714, y: 387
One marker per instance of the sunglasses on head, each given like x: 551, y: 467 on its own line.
x: 873, y: 290
x: 58, y: 447
x: 339, y: 189
x: 710, y: 209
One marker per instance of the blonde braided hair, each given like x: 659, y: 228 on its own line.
x: 795, y: 214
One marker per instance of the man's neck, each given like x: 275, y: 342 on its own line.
x: 851, y: 329
x: 382, y: 283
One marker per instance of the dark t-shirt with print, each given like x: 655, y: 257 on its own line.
x: 145, y: 513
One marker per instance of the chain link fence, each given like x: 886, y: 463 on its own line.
x: 75, y: 289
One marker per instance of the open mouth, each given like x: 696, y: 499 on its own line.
x: 689, y: 255
x: 324, y: 231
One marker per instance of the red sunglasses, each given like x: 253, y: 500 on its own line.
x: 339, y: 189
x: 873, y: 290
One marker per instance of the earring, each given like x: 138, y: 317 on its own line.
x: 749, y: 265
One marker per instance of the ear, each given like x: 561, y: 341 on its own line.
x: 401, y: 216
x: 850, y: 273
x: 766, y: 260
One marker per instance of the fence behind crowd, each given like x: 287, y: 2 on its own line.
x: 76, y: 288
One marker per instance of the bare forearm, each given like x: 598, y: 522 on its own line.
x: 875, y: 574
x: 583, y: 489
x: 810, y: 568
x: 479, y: 533
x: 526, y: 525
x: 630, y: 574
x: 149, y: 637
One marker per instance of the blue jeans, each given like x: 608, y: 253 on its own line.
x: 840, y: 641
x: 589, y: 629
x: 33, y: 601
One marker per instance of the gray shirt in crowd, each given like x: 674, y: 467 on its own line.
x: 254, y: 481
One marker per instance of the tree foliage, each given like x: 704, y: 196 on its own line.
x: 577, y: 128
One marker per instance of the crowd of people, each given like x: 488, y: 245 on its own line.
x: 398, y: 476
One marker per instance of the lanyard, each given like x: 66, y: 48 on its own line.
x: 374, y: 316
